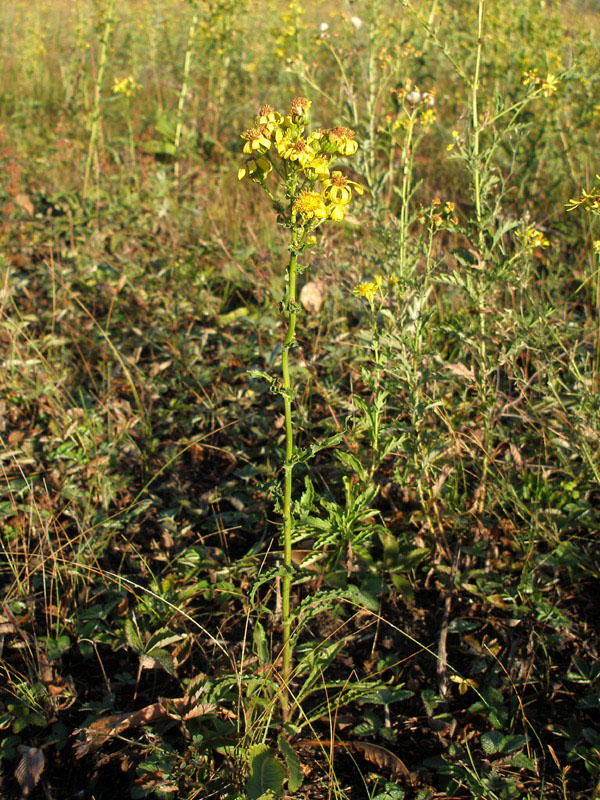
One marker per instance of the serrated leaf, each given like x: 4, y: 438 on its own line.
x: 387, y: 696
x: 266, y: 773
x: 492, y: 741
x: 295, y: 774
x: 521, y: 761
x: 161, y: 639
x: 512, y: 743
x: 163, y: 658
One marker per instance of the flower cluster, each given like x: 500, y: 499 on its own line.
x: 126, y: 86
x: 438, y: 215
x: 412, y: 108
x: 371, y: 289
x: 589, y: 200
x: 280, y: 143
x: 547, y: 85
x: 532, y: 239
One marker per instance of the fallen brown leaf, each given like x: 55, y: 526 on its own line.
x: 30, y: 768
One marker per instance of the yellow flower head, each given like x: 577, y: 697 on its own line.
x: 269, y: 117
x: 336, y: 211
x: 342, y: 139
x: 596, y: 247
x: 549, y: 84
x: 256, y: 169
x: 298, y: 150
x: 368, y: 289
x: 427, y: 117
x: 317, y: 168
x: 589, y: 200
x: 532, y: 239
x: 338, y: 189
x: 257, y: 139
x: 299, y: 110
x: 310, y: 204
x: 126, y: 86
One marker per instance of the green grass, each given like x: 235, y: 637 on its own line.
x: 446, y: 561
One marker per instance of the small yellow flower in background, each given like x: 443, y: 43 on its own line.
x: 464, y: 684
x: 256, y: 169
x: 532, y: 239
x: 367, y: 289
x: 589, y: 200
x: 126, y: 86
x: 338, y: 189
x: 311, y: 205
x: 427, y: 117
x: 530, y: 76
x: 549, y: 85
x: 257, y: 139
x: 596, y: 247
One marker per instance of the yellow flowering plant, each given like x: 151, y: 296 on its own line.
x: 590, y: 201
x: 292, y: 166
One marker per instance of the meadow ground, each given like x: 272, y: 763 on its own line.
x: 426, y: 623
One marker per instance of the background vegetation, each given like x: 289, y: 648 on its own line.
x: 447, y: 561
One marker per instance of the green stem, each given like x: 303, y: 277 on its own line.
x: 96, y: 111
x: 131, y: 139
x: 290, y: 310
x: 184, y: 88
x: 407, y: 165
x: 476, y: 128
x: 476, y: 171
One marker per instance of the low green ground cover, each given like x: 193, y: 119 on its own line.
x: 428, y: 625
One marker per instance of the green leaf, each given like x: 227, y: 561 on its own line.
x: 370, y: 726
x: 351, y: 461
x: 163, y: 658
x: 386, y: 696
x: 521, y: 761
x: 512, y: 743
x: 161, y: 639
x: 266, y: 773
x: 492, y: 742
x: 133, y: 637
x: 360, y: 598
x: 391, y: 548
x: 56, y: 647
x: 404, y: 586
x: 260, y: 643
x: 295, y: 774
